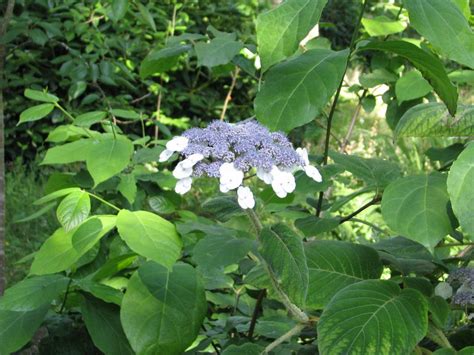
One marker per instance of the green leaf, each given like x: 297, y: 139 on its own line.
x: 33, y: 293
x: 377, y: 77
x: 214, y: 252
x: 103, y: 324
x: 108, y: 157
x: 146, y: 16
x: 334, y: 265
x: 462, y: 77
x: 128, y: 187
x: 41, y: 96
x: 64, y: 133
x: 67, y: 153
x: 375, y: 172
x: 283, y: 251
x: 219, y: 51
x: 127, y: 114
x: 114, y: 265
x: 18, y: 327
x: 119, y: 9
x: 439, y: 310
x: 444, y: 25
x: 35, y: 113
x: 73, y: 209
x: 162, y: 60
x: 89, y: 118
x: 460, y: 188
x: 465, y: 7
x: 429, y: 65
x: 279, y: 31
x: 433, y: 120
x: 56, y: 194
x: 162, y: 311
x: 373, y: 317
x: 295, y: 91
x: 58, y: 252
x: 416, y: 207
x: 150, y: 236
x: 382, y: 26
x: 247, y: 349
x: 312, y: 226
x: 411, y: 86
x: 77, y: 89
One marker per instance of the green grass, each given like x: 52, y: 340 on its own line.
x: 24, y: 185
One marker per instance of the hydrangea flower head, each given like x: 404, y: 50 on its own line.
x: 229, y: 151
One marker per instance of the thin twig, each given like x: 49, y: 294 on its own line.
x: 374, y: 201
x: 287, y: 336
x: 65, y: 296
x: 229, y: 93
x: 256, y: 312
x: 158, y: 113
x: 355, y: 116
x: 103, y: 201
x: 134, y: 101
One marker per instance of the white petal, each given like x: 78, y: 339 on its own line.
x: 180, y: 172
x: 183, y: 185
x: 303, y: 153
x: 289, y: 183
x: 278, y: 188
x: 313, y: 173
x: 230, y: 177
x: 177, y: 144
x: 224, y: 188
x: 165, y: 155
x: 192, y: 160
x: 245, y: 197
x: 265, y: 176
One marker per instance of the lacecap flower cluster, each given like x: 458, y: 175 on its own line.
x: 230, y: 151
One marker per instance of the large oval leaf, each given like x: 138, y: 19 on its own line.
x: 279, y: 31
x: 428, y: 64
x: 417, y: 208
x: 461, y: 189
x: 73, y: 209
x: 108, y: 156
x: 444, y: 25
x: 373, y: 317
x: 36, y: 113
x: 150, y: 236
x: 41, y: 96
x: 162, y: 311
x: 283, y: 251
x: 295, y: 91
x: 67, y: 153
x: 433, y: 120
x: 334, y: 265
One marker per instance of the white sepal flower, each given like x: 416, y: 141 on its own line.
x: 283, y: 182
x: 177, y: 144
x: 313, y: 173
x: 303, y: 153
x: 231, y: 178
x: 265, y: 176
x: 192, y: 160
x: 181, y: 172
x: 444, y: 290
x: 183, y: 185
x: 165, y: 155
x: 223, y: 188
x: 245, y: 197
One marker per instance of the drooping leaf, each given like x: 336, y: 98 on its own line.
x: 373, y: 317
x: 151, y: 236
x: 283, y: 251
x: 33, y: 293
x: 377, y: 77
x: 56, y: 194
x: 461, y: 188
x: 103, y: 292
x: 416, y: 207
x: 103, y: 324
x: 334, y: 265
x: 295, y: 91
x: 382, y: 26
x: 429, y: 65
x: 279, y: 31
x: 433, y: 120
x: 128, y: 187
x: 411, y: 86
x: 119, y: 9
x: 219, y: 51
x: 146, y: 16
x: 161, y: 60
x: 108, y: 156
x: 73, y: 209
x: 162, y: 311
x: 444, y: 25
x: 36, y: 113
x: 374, y: 172
x: 41, y: 96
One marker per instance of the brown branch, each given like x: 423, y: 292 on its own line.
x: 3, y: 30
x: 256, y: 312
x: 374, y: 201
x: 229, y: 93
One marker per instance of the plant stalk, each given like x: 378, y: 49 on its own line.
x: 287, y: 336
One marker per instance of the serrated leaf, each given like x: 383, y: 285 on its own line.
x: 73, y: 209
x: 279, y: 31
x: 283, y: 251
x: 461, y: 188
x: 149, y: 235
x: 334, y: 265
x: 429, y: 65
x: 416, y: 207
x: 453, y: 37
x: 35, y: 113
x: 373, y: 317
x: 411, y: 86
x: 433, y: 120
x: 41, y: 96
x: 382, y: 26
x: 162, y: 311
x: 295, y: 91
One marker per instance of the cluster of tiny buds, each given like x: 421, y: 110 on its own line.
x: 228, y: 151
